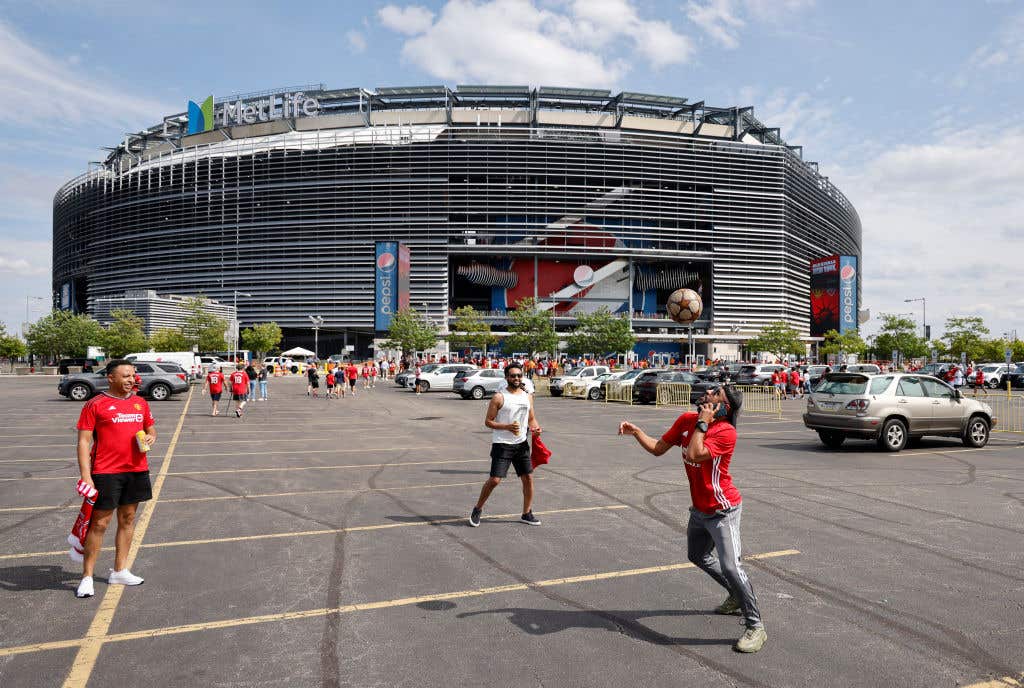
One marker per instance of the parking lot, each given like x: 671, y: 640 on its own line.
x: 324, y: 543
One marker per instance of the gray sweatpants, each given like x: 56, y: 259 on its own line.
x: 719, y: 532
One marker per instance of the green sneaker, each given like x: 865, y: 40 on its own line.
x: 752, y: 640
x: 730, y: 606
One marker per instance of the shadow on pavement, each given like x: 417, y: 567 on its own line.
x: 18, y: 578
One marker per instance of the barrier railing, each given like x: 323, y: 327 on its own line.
x: 761, y: 399
x: 618, y: 391
x: 673, y: 394
x: 1008, y: 410
x: 542, y: 386
x: 574, y: 390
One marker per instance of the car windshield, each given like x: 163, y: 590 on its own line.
x: 817, y: 370
x: 630, y: 374
x: 843, y: 384
x: 748, y: 370
x: 429, y: 367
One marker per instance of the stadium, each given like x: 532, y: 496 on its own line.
x: 580, y: 198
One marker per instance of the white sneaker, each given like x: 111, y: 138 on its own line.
x: 85, y: 588
x: 125, y: 577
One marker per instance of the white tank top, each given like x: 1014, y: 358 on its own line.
x: 516, y: 407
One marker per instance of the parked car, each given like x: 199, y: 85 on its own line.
x: 186, y: 359
x: 758, y: 374
x: 718, y: 373
x: 477, y: 384
x: 402, y: 379
x: 208, y: 362
x: 993, y: 373
x: 593, y: 388
x: 867, y: 368
x: 440, y: 379
x: 577, y: 375
x: 814, y: 374
x: 645, y: 389
x: 894, y: 409
x: 87, y: 365
x: 160, y: 379
x: 272, y: 363
x: 1016, y: 378
x: 626, y: 379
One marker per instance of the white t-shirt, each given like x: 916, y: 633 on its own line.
x: 515, y: 407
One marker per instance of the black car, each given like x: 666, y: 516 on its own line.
x: 645, y: 389
x: 720, y: 373
x: 1015, y: 378
x: 87, y: 365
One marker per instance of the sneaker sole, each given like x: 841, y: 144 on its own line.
x: 734, y: 612
x: 474, y: 525
x: 530, y: 523
x: 85, y: 597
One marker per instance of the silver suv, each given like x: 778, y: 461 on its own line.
x: 760, y: 374
x: 893, y: 409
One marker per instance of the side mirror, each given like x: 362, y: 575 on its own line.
x: 959, y: 394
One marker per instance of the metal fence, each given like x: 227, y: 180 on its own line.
x: 618, y: 391
x: 1007, y: 409
x: 761, y: 399
x: 574, y: 390
x: 673, y: 394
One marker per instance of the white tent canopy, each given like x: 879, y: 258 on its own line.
x: 298, y: 351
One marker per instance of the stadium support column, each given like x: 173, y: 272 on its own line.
x: 629, y: 308
x: 536, y: 293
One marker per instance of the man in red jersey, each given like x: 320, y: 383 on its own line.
x: 111, y: 461
x: 708, y: 440
x: 352, y: 373
x: 239, y: 388
x: 215, y: 385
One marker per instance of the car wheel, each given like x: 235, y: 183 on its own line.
x: 894, y: 435
x: 556, y: 392
x: 976, y: 434
x: 294, y: 369
x: 477, y: 393
x: 79, y: 392
x: 159, y: 392
x: 424, y: 386
x: 831, y: 438
x: 594, y: 394
x: 993, y: 384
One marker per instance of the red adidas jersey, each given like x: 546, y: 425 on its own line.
x: 239, y: 382
x: 114, y: 422
x: 216, y: 381
x: 711, y: 485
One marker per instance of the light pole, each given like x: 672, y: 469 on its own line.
x: 234, y: 330
x: 27, y: 316
x: 924, y: 315
x: 317, y: 324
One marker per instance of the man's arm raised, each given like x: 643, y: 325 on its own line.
x: 651, y: 445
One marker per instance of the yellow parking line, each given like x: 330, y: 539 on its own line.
x: 89, y: 650
x: 1004, y: 682
x: 367, y: 606
x: 299, y: 493
x: 324, y: 531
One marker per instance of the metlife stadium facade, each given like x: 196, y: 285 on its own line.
x: 576, y: 197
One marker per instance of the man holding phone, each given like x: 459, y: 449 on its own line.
x: 708, y: 439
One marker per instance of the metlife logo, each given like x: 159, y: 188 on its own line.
x: 202, y: 118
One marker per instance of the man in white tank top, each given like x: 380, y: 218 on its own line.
x: 509, y: 415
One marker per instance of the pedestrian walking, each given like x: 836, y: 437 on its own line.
x: 365, y: 372
x: 214, y: 384
x: 250, y: 370
x: 263, y: 377
x: 330, y: 383
x: 115, y: 430
x: 794, y: 383
x: 958, y: 377
x: 509, y: 416
x: 239, y: 389
x: 708, y: 439
x: 373, y: 374
x: 313, y: 377
x: 351, y: 375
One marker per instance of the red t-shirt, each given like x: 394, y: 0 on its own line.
x: 330, y: 379
x: 711, y: 485
x: 794, y: 378
x: 352, y: 372
x: 216, y: 382
x: 239, y: 382
x: 114, y: 422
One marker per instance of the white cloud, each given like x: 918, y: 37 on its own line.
x: 356, y: 42
x: 719, y: 19
x: 516, y: 41
x: 945, y: 220
x: 48, y: 90
x: 409, y: 20
x: 1006, y: 47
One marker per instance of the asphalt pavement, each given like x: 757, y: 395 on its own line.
x: 323, y: 542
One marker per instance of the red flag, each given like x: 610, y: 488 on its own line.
x: 81, y: 528
x: 539, y: 453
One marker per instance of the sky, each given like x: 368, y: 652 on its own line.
x: 912, y: 108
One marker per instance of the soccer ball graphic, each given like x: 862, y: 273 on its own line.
x: 684, y: 306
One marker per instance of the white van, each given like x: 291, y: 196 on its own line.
x: 186, y: 359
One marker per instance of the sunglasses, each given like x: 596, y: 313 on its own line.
x: 514, y: 375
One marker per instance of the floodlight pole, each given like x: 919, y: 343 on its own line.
x: 234, y: 333
x: 317, y: 323
x: 924, y: 314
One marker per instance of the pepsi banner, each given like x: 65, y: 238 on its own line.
x: 847, y: 293
x: 386, y: 280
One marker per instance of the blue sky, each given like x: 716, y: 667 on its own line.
x: 911, y: 108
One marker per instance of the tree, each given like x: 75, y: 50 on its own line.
x: 125, y: 334
x: 898, y: 334
x: 778, y: 338
x: 63, y: 333
x: 470, y: 330
x: 11, y: 347
x: 601, y: 332
x: 201, y: 328
x: 964, y: 335
x: 410, y: 331
x: 532, y: 329
x: 848, y: 342
x: 261, y: 337
x: 168, y: 339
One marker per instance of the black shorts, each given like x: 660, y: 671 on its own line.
x: 240, y: 397
x: 352, y: 383
x: 215, y: 396
x: 516, y: 454
x: 118, y: 489
x: 330, y: 385
x: 315, y: 384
